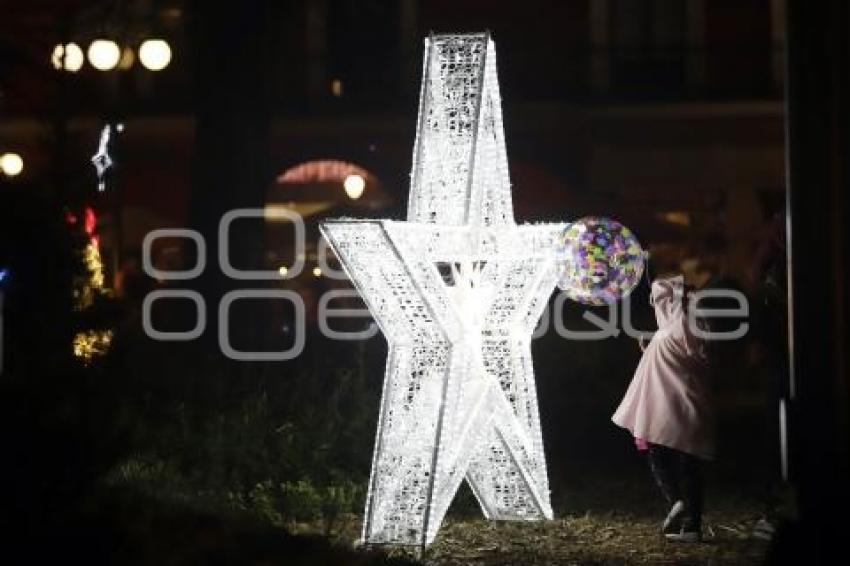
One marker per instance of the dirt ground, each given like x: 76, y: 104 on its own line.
x: 730, y: 530
x: 614, y: 539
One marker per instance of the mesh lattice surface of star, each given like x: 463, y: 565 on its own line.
x: 457, y: 290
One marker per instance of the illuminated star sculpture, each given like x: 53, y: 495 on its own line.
x: 457, y: 290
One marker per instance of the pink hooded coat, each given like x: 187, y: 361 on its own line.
x: 668, y: 401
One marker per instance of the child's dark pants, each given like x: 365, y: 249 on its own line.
x: 678, y: 476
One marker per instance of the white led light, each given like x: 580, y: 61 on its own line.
x: 457, y: 289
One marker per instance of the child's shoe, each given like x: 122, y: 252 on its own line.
x: 688, y: 532
x: 672, y: 522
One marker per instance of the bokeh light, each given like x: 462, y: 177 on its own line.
x: 69, y: 55
x: 155, y: 54
x: 11, y: 164
x: 104, y: 54
x: 354, y: 186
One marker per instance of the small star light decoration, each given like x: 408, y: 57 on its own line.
x: 102, y: 160
x: 457, y: 290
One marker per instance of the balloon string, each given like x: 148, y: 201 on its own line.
x: 646, y: 269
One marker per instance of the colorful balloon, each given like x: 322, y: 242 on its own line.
x: 599, y: 261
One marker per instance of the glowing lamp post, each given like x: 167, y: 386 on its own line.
x: 107, y: 55
x: 354, y: 186
x: 155, y: 54
x: 104, y: 54
x: 11, y: 164
x: 68, y: 57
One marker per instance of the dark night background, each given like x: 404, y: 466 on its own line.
x: 715, y: 129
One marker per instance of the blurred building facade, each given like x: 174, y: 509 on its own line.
x: 666, y: 114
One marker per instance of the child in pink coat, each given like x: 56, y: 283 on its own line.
x: 668, y: 409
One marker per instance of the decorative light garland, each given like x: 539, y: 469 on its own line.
x: 89, y: 344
